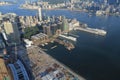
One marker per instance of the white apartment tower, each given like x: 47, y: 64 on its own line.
x: 72, y: 1
x: 105, y: 1
x: 117, y: 1
x: 39, y: 14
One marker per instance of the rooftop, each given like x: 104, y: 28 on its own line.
x: 40, y: 35
x: 4, y: 73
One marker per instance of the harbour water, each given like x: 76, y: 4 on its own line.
x: 95, y: 57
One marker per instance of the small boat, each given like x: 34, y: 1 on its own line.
x: 54, y: 47
x: 52, y: 41
x: 90, y: 14
x: 42, y: 44
x: 44, y: 49
x: 46, y: 43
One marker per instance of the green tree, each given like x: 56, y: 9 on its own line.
x: 30, y: 31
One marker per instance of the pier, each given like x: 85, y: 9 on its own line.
x: 68, y: 37
x: 67, y: 44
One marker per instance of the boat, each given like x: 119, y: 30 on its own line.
x: 42, y: 44
x: 52, y: 41
x: 90, y: 14
x: 46, y: 43
x: 54, y: 47
x: 44, y: 49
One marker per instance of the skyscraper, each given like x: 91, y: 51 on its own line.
x: 65, y: 25
x: 12, y: 32
x: 105, y: 1
x: 2, y: 43
x: 72, y: 1
x: 39, y: 14
x: 28, y: 1
x: 54, y: 28
x: 117, y: 1
x: 47, y: 30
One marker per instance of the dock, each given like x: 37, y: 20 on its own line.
x: 68, y: 37
x: 67, y: 44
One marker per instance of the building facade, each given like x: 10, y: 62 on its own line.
x: 40, y: 14
x: 12, y: 32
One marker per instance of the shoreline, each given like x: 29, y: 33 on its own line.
x: 64, y: 66
x: 54, y: 9
x: 76, y: 10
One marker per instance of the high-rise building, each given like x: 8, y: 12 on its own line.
x: 65, y: 25
x: 39, y: 14
x: 54, y: 28
x: 72, y: 1
x: 47, y: 30
x: 28, y: 1
x: 27, y: 21
x: 118, y: 1
x: 53, y: 18
x: 105, y: 1
x: 12, y: 32
x: 60, y: 25
x: 2, y: 43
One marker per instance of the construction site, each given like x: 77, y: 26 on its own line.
x: 44, y: 67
